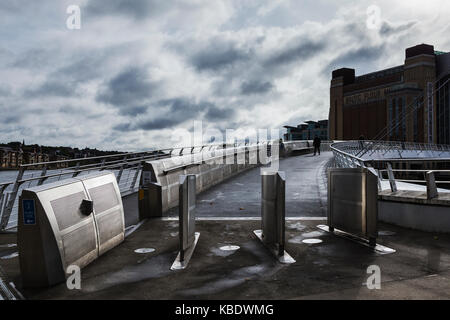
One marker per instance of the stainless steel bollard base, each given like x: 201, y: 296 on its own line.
x: 285, y: 258
x: 378, y: 248
x: 178, y: 264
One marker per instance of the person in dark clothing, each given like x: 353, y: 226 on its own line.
x: 316, y: 144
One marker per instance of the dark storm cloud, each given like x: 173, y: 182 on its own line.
x: 137, y: 9
x: 255, y: 87
x: 129, y: 88
x: 214, y: 113
x: 34, y: 59
x: 52, y: 88
x: 178, y: 111
x: 10, y: 119
x: 133, y: 110
x: 5, y: 92
x: 355, y: 56
x: 81, y: 70
x: 218, y: 55
x: 302, y: 51
x: 124, y: 127
x: 388, y: 29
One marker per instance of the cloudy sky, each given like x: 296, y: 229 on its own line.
x: 137, y: 70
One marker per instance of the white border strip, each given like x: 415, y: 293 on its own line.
x: 247, y: 218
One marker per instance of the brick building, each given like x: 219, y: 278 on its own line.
x: 409, y: 102
x: 10, y: 158
x: 307, y: 131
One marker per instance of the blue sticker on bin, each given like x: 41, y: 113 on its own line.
x: 29, y: 214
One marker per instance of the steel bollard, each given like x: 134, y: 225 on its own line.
x: 431, y: 185
x: 186, y: 207
x: 273, y: 197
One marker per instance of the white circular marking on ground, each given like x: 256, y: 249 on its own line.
x: 10, y: 245
x: 386, y: 233
x: 312, y: 234
x: 312, y: 241
x: 10, y: 256
x: 144, y: 250
x: 229, y: 248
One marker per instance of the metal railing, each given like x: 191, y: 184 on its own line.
x: 126, y: 166
x: 353, y: 154
x: 373, y: 150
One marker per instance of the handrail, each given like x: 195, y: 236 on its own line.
x: 127, y: 164
x: 346, y: 155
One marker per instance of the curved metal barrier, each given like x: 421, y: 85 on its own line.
x: 408, y: 176
x: 210, y: 168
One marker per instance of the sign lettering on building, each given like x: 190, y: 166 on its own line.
x: 365, y: 97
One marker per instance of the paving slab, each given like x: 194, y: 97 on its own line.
x: 240, y: 196
x: 333, y: 269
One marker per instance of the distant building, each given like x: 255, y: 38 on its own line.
x: 307, y: 131
x: 10, y: 158
x: 409, y: 102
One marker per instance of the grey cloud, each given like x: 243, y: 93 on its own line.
x: 5, y: 92
x: 218, y: 55
x: 137, y: 9
x: 10, y: 119
x: 214, y: 113
x: 129, y: 88
x: 354, y: 57
x: 388, y: 29
x: 52, y: 88
x: 133, y: 110
x: 80, y: 71
x: 124, y: 127
x: 256, y: 87
x: 302, y: 51
x: 179, y: 111
x: 34, y: 59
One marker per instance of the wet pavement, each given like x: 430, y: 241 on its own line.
x: 328, y: 267
x: 335, y: 268
x: 240, y: 196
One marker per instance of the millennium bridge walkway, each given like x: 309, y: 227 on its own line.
x: 228, y: 261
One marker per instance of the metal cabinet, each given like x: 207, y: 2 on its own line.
x: 66, y: 223
x: 353, y: 202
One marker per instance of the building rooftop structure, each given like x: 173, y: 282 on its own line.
x: 409, y: 102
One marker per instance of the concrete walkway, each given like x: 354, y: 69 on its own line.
x: 333, y: 268
x: 336, y: 268
x: 240, y: 196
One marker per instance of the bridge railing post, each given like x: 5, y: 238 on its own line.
x: 391, y: 178
x: 11, y: 200
x: 432, y: 191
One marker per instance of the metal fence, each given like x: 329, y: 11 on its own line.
x: 354, y: 154
x: 126, y: 166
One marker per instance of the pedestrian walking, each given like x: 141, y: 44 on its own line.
x: 316, y: 144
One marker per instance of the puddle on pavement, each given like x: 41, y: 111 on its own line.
x: 312, y: 241
x: 10, y: 256
x: 386, y: 233
x: 10, y: 245
x: 230, y: 248
x: 298, y: 226
x: 297, y: 240
x: 144, y: 250
x: 312, y: 234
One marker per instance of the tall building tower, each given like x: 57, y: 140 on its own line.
x: 340, y: 78
x: 408, y: 102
